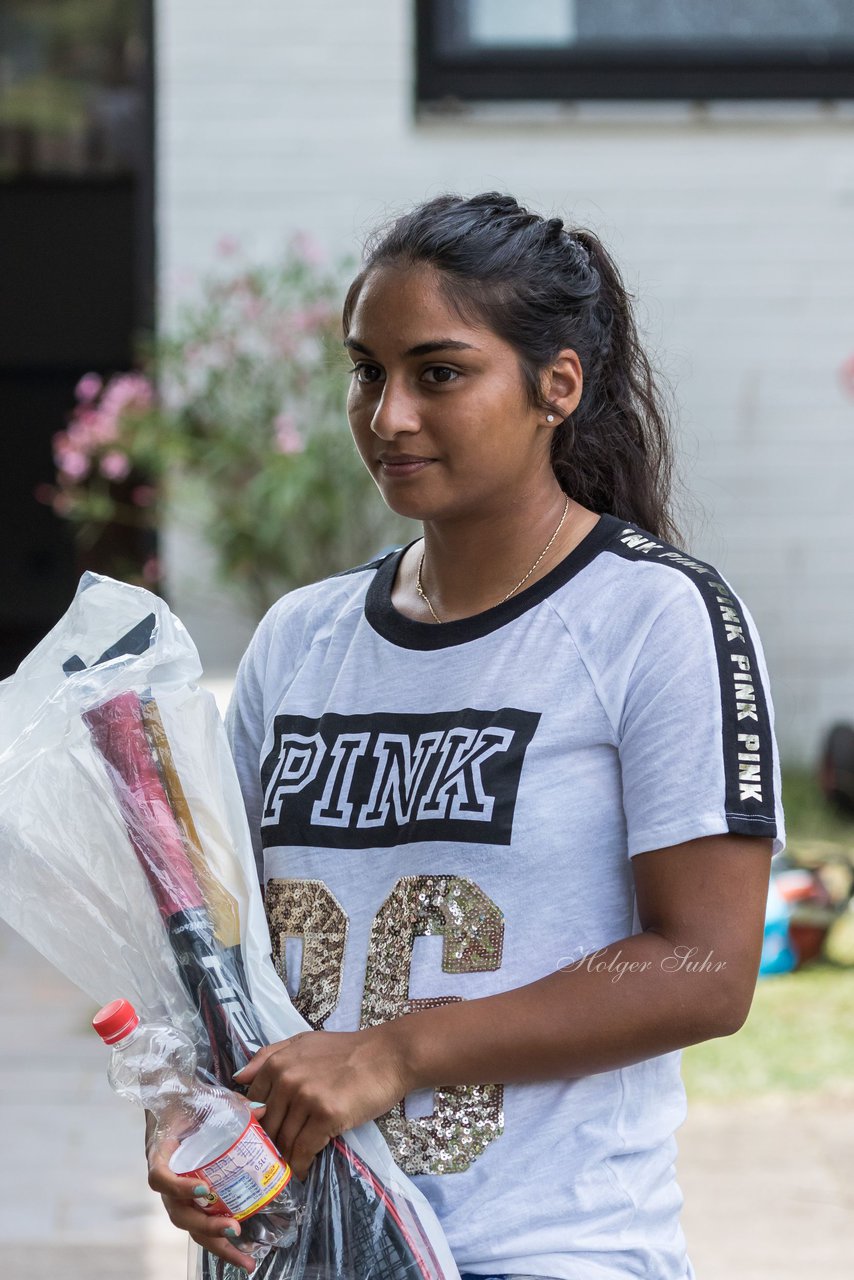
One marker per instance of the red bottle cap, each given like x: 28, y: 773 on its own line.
x: 115, y: 1021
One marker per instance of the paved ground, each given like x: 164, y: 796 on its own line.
x: 769, y: 1188
x: 73, y: 1194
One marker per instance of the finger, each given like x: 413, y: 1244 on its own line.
x: 162, y: 1179
x: 311, y: 1139
x: 157, y: 1140
x: 159, y: 1147
x: 192, y: 1217
x: 273, y: 1116
x: 255, y: 1063
x: 286, y: 1135
x: 222, y: 1247
x: 265, y: 1079
x: 267, y: 1073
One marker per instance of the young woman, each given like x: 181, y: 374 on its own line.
x: 514, y: 786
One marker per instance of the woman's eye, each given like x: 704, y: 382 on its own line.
x: 443, y: 369
x: 359, y: 372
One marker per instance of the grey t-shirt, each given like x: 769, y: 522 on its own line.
x: 445, y: 811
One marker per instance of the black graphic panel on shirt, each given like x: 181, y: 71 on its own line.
x: 368, y: 781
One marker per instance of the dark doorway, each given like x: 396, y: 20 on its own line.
x: 76, y: 265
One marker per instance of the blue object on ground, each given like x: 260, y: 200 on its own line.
x: 778, y: 955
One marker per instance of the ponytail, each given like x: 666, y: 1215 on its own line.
x: 614, y: 453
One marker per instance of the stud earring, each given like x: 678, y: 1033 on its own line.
x: 550, y: 417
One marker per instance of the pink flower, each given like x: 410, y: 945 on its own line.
x: 88, y: 387
x: 72, y: 462
x: 306, y: 247
x: 126, y: 391
x: 90, y: 428
x: 288, y: 438
x: 143, y: 495
x: 105, y: 428
x: 75, y: 465
x: 115, y: 465
x: 63, y: 504
x: 227, y: 246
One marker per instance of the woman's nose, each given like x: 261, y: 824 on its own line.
x: 395, y: 413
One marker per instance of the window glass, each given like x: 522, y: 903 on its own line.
x: 492, y: 23
x: 726, y: 24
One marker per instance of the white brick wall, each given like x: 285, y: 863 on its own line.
x: 733, y: 227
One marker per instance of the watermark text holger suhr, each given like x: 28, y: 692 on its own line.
x: 680, y: 960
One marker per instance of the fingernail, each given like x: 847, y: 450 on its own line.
x: 237, y: 1073
x: 256, y: 1105
x: 201, y: 1190
x: 232, y: 1233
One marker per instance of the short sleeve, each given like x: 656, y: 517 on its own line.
x: 696, y: 735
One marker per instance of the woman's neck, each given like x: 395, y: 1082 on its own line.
x: 471, y: 566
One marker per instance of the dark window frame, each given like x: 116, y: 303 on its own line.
x: 37, y: 386
x: 443, y: 78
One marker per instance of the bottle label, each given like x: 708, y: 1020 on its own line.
x: 246, y: 1177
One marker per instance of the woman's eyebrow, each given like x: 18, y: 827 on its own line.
x: 423, y: 348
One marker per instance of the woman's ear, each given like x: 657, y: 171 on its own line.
x: 563, y: 382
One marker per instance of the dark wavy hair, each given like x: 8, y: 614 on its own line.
x: 543, y: 287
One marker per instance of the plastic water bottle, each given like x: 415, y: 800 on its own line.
x: 220, y: 1142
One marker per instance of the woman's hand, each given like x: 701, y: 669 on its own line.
x: 184, y: 1210
x: 317, y: 1084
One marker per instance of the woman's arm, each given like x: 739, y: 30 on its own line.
x: 689, y: 976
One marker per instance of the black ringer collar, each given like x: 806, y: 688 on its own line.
x: 405, y: 632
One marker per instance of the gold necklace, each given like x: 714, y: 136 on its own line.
x: 423, y: 594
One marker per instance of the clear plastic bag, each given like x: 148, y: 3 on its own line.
x: 126, y: 860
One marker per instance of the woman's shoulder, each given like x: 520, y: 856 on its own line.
x: 636, y: 576
x: 298, y: 616
x: 635, y: 546
x: 644, y: 600
x: 297, y: 621
x: 665, y: 580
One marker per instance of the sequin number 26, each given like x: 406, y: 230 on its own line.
x: 465, y: 1118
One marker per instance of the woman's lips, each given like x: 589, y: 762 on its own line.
x: 404, y: 468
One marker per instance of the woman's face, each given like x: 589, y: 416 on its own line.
x: 437, y: 406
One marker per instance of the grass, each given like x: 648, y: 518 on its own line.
x: 809, y: 818
x: 799, y: 1036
